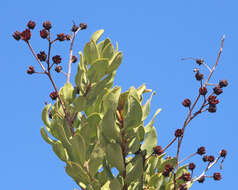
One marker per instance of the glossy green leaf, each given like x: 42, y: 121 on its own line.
x: 109, y: 128
x: 60, y: 151
x: 133, y: 115
x: 136, y: 171
x: 101, y: 45
x: 146, y: 108
x: 113, y: 184
x: 108, y: 51
x: 93, y: 121
x: 90, y: 52
x: 45, y: 136
x: 96, y: 35
x: 115, y: 62
x: 58, y: 130
x: 156, y: 181
x: 67, y: 93
x: 181, y: 170
x: 97, y: 70
x: 114, y: 156
x: 80, y: 103
x: 78, y: 149
x: 96, y: 158
x: 110, y: 100
x: 77, y: 172
x: 45, y: 116
x: 133, y: 146
x: 150, y: 140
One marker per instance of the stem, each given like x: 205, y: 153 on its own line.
x: 71, y: 54
x: 170, y: 144
x: 191, y: 155
x: 28, y: 43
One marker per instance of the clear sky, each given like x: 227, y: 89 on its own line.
x: 154, y: 36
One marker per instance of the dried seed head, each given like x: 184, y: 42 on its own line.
x: 74, y: 28
x: 203, y: 90
x: 47, y: 25
x: 200, y: 61
x: 58, y: 69
x: 31, y: 24
x: 212, y: 108
x: 217, y: 90
x: 42, y: 56
x: 186, y: 102
x: 16, y: 35
x: 26, y: 35
x: 201, y: 150
x: 223, y: 153
x: 186, y: 177
x: 223, y: 83
x: 205, y: 158
x: 191, y: 166
x: 201, y: 179
x: 178, y: 133
x: 56, y: 59
x: 212, y: 100
x: 74, y: 59
x: 53, y: 95
x: 30, y: 70
x: 44, y: 33
x: 217, y: 176
x: 211, y: 158
x: 61, y: 37
x: 199, y: 76
x: 83, y: 26
x: 158, y: 150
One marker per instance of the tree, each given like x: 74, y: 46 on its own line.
x: 99, y: 131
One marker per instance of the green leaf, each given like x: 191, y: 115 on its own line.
x: 93, y: 121
x: 115, y: 62
x: 45, y: 136
x: 58, y: 130
x: 96, y: 158
x: 136, y: 171
x: 76, y: 171
x: 109, y: 128
x: 181, y: 170
x: 60, y: 151
x: 132, y: 113
x: 78, y: 149
x: 146, y: 108
x: 156, y: 181
x: 108, y: 51
x: 90, y: 52
x: 97, y: 70
x: 102, y: 45
x: 150, y: 140
x: 133, y: 146
x: 114, y: 156
x: 67, y: 93
x: 80, y: 103
x: 141, y: 89
x: 45, y: 116
x: 96, y: 35
x: 113, y: 184
x: 110, y: 100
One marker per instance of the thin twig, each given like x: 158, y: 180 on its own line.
x: 28, y: 43
x: 191, y: 155
x: 71, y: 54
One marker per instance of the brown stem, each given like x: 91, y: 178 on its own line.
x: 170, y: 144
x: 191, y: 155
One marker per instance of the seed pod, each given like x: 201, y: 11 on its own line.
x: 186, y: 102
x: 74, y: 28
x: 61, y: 37
x: 223, y: 83
x: 47, y: 25
x: 203, y: 90
x: 205, y: 158
x: 16, y: 35
x: 212, y: 108
x: 178, y: 133
x: 217, y: 90
x: 223, y: 153
x: 201, y: 179
x: 186, y: 177
x: 217, y: 176
x: 200, y: 61
x: 44, y: 33
x: 42, y: 56
x: 201, y: 150
x: 191, y: 166
x: 83, y: 26
x: 212, y: 100
x: 58, y: 69
x: 30, y: 70
x: 56, y: 59
x: 31, y: 24
x: 74, y: 59
x: 199, y: 76
x: 53, y: 95
x: 26, y: 35
x: 211, y: 158
x: 158, y: 150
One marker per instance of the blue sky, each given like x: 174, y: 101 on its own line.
x: 153, y: 36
